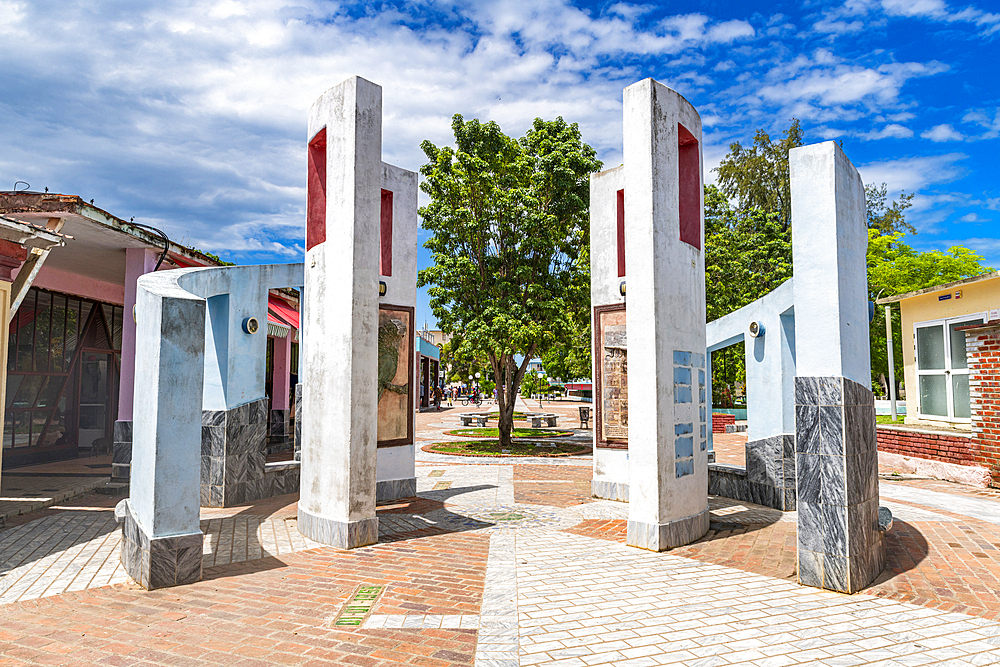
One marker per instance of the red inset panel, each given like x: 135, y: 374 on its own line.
x: 385, y: 235
x: 689, y: 175
x: 621, y: 233
x: 316, y: 191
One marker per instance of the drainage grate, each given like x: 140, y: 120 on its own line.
x: 435, y: 473
x: 359, y: 606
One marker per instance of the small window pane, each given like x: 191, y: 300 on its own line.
x: 930, y: 347
x: 43, y: 320
x: 21, y: 428
x: 13, y: 384
x: 25, y: 397
x: 12, y: 344
x: 116, y: 329
x: 933, y: 397
x: 50, y: 391
x: 38, y: 419
x: 58, y: 333
x: 26, y: 331
x: 72, y: 332
x: 960, y: 387
x: 957, y: 339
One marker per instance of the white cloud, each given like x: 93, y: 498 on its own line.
x: 913, y: 174
x: 938, y: 10
x: 838, y: 27
x: 893, y: 131
x: 940, y: 133
x: 825, y: 87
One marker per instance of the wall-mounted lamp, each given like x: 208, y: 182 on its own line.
x: 621, y: 288
x: 756, y: 329
x: 381, y: 288
x: 250, y: 325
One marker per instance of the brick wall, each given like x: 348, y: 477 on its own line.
x: 719, y: 421
x: 982, y: 344
x: 923, y: 445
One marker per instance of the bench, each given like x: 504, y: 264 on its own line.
x: 537, y: 419
x: 468, y: 418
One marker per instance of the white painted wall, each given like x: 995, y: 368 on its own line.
x: 829, y: 242
x: 166, y: 436
x: 395, y: 463
x: 401, y: 286
x: 770, y: 359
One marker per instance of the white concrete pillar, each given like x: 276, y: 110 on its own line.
x: 337, y: 501
x: 162, y: 541
x: 664, y: 237
x: 840, y: 545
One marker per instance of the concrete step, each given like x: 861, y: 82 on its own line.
x: 117, y: 489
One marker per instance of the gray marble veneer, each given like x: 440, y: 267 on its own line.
x: 609, y: 490
x: 298, y: 422
x: 659, y: 537
x: 840, y: 544
x: 233, y: 455
x: 121, y: 452
x: 158, y: 562
x: 339, y: 534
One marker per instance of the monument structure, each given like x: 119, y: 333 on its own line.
x: 201, y: 359
x: 811, y: 413
x: 360, y: 290
x: 649, y: 361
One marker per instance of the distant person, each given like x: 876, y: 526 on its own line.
x: 450, y: 394
x: 437, y: 398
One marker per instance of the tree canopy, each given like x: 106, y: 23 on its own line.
x: 748, y: 249
x: 756, y: 178
x: 510, y: 223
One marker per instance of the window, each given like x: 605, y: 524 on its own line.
x: 942, y: 371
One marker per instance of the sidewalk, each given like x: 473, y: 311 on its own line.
x: 510, y: 564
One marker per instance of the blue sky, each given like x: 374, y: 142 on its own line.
x: 191, y: 115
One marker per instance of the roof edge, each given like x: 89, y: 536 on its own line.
x: 937, y: 288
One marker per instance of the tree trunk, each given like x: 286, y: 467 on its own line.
x: 508, y: 378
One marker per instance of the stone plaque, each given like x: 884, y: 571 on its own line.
x: 614, y: 376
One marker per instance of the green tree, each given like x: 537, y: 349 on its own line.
x: 887, y: 218
x: 896, y: 268
x: 756, y: 178
x: 509, y: 219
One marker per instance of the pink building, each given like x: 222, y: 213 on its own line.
x: 72, y: 334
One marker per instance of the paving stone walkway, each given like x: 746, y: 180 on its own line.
x: 498, y: 564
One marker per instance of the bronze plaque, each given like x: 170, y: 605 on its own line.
x: 612, y: 358
x: 395, y: 376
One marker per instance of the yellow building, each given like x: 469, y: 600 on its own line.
x: 935, y: 370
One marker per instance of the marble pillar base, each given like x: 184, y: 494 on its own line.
x: 771, y: 472
x: 158, y: 562
x: 339, y: 534
x: 840, y: 544
x: 660, y: 537
x: 609, y: 490
x: 394, y: 489
x: 121, y: 452
x: 233, y: 453
x: 297, y: 435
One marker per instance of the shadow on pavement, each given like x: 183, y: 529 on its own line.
x: 905, y: 548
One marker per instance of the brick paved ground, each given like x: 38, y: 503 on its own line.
x: 272, y: 611
x: 502, y: 565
